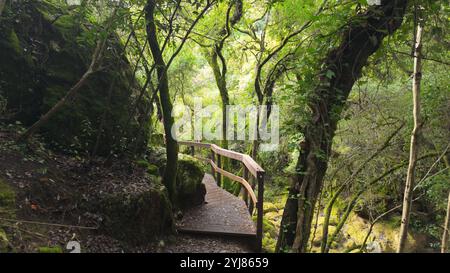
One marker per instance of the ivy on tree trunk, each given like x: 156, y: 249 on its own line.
x: 342, y: 67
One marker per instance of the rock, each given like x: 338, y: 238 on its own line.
x: 137, y: 217
x: 190, y: 189
x: 384, y: 236
x: 374, y: 247
x: 274, y: 216
x: 43, y: 54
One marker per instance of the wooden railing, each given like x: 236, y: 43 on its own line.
x: 251, y: 169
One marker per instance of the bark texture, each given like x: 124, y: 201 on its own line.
x: 414, y: 148
x: 169, y: 177
x: 342, y: 67
x: 219, y: 67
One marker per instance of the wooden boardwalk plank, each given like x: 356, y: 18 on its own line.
x: 222, y: 213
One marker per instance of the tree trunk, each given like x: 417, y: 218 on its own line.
x: 166, y: 104
x: 220, y: 75
x: 446, y: 228
x: 360, y: 40
x: 414, y: 143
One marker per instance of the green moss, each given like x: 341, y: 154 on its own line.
x: 138, y: 217
x: 65, y: 47
x: 50, y: 249
x: 14, y: 42
x: 7, y: 199
x: 3, y: 241
x: 384, y: 234
x: 190, y: 190
x: 274, y: 216
x: 66, y: 24
x: 269, y: 243
x: 394, y: 221
x: 153, y: 169
x: 142, y: 163
x: 270, y: 228
x: 49, y: 9
x: 3, y: 237
x: 269, y: 207
x: 61, y: 73
x: 356, y: 229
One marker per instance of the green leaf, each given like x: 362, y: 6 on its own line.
x: 330, y: 74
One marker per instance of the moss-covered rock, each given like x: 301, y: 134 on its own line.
x: 137, y: 217
x: 190, y: 189
x: 269, y: 207
x: 44, y: 50
x: 383, y: 238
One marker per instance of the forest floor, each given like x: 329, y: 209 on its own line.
x: 206, y: 244
x: 49, y: 190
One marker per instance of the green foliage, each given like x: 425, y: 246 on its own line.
x: 51, y: 44
x: 436, y: 189
x: 3, y: 241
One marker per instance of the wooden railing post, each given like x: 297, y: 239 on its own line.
x: 213, y: 160
x: 245, y: 197
x: 260, y: 210
x: 251, y: 205
x: 219, y: 176
x: 253, y: 176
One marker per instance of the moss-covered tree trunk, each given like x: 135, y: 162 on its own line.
x: 220, y: 74
x: 169, y: 177
x: 220, y: 77
x: 342, y: 67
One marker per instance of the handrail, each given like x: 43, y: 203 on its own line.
x: 237, y: 179
x: 193, y: 143
x: 249, y: 164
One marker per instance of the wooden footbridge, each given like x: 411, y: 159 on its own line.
x: 224, y: 213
